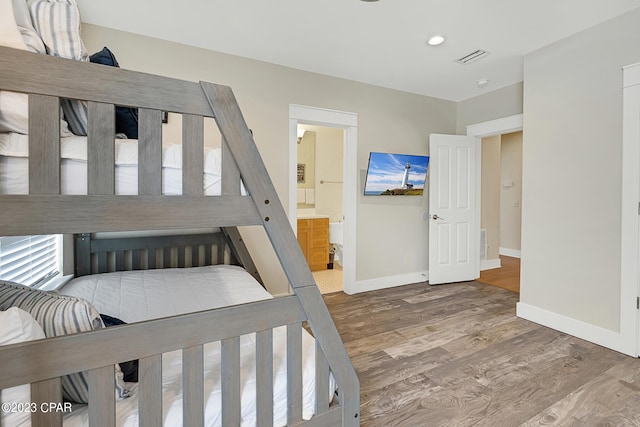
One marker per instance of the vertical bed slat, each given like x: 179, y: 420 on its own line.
x: 230, y: 185
x: 102, y: 262
x: 101, y: 389
x: 119, y: 260
x: 181, y: 257
x: 151, y: 259
x: 207, y: 255
x: 135, y: 259
x: 193, y: 386
x: 44, y: 144
x: 44, y: 392
x: 294, y: 373
x: 230, y: 387
x: 150, y: 152
x: 150, y: 391
x: 101, y: 148
x: 322, y: 381
x: 192, y: 158
x: 220, y: 254
x: 195, y: 256
x: 166, y: 257
x: 264, y: 378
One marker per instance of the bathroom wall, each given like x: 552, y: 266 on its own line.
x: 329, y: 172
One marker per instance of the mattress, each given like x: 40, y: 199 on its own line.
x: 14, y: 166
x: 141, y: 295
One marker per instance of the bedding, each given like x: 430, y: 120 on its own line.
x: 14, y: 166
x: 17, y: 326
x: 59, y: 315
x: 141, y: 295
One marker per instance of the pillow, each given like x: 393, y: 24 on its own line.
x: 16, y: 31
x: 17, y: 326
x: 126, y: 118
x: 130, y: 368
x: 59, y: 315
x: 58, y: 24
x: 29, y: 34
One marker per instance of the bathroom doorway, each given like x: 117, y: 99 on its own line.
x: 320, y: 194
x: 348, y: 123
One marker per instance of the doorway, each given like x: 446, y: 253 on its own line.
x: 348, y: 123
x: 501, y: 210
x: 320, y: 196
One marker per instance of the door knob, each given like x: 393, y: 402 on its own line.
x: 437, y: 217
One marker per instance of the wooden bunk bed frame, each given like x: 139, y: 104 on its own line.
x: 45, y: 211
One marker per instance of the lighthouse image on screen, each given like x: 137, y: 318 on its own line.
x: 391, y: 174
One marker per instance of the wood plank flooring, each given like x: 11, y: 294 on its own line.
x: 506, y: 277
x: 456, y: 355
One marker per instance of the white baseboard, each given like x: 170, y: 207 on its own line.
x: 390, y: 282
x: 577, y: 328
x: 490, y: 264
x: 514, y: 253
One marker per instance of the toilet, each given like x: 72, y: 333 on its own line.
x: 335, y: 239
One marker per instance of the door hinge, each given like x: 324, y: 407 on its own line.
x: 638, y: 303
x: 638, y: 208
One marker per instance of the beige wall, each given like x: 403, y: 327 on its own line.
x: 572, y: 153
x: 511, y: 197
x: 503, y: 102
x: 388, y: 120
x: 490, y: 204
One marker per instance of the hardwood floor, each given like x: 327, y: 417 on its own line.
x: 456, y: 355
x: 506, y: 277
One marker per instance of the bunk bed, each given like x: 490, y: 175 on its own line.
x: 246, y: 197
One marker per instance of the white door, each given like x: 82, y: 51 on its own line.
x: 453, y: 229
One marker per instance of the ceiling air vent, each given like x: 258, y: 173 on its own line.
x: 473, y: 56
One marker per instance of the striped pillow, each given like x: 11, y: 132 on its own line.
x: 59, y: 315
x: 58, y: 24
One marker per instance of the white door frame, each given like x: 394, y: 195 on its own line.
x: 630, y: 221
x: 300, y: 114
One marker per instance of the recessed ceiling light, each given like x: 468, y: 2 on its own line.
x: 483, y: 83
x: 435, y: 40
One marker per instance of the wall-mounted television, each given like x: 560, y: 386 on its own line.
x: 390, y: 174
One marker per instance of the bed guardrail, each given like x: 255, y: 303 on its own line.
x: 146, y: 341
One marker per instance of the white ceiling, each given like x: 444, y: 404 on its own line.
x: 381, y: 43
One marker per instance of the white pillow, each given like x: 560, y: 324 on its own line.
x: 14, y: 107
x: 17, y: 326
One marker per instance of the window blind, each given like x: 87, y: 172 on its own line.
x: 30, y: 260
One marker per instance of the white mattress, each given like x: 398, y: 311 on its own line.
x: 14, y: 166
x: 141, y: 295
